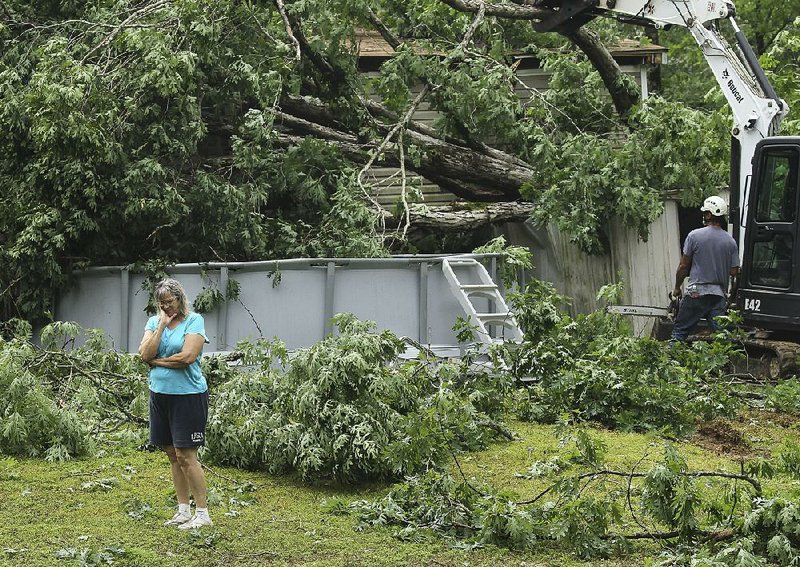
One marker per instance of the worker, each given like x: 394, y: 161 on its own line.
x: 709, y: 259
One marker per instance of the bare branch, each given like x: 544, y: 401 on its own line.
x: 628, y: 495
x: 423, y: 129
x: 288, y: 25
x: 403, y: 186
x: 91, y: 24
x: 538, y: 94
x: 500, y: 9
x: 388, y: 138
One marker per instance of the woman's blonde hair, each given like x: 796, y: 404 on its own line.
x: 170, y: 286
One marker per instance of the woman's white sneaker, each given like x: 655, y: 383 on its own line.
x: 196, y: 522
x: 178, y: 519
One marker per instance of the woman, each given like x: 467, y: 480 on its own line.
x: 172, y: 344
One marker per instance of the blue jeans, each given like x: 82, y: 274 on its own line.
x: 692, y: 309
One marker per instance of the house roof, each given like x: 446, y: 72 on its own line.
x: 652, y: 53
x: 372, y: 45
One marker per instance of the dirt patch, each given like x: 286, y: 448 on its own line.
x: 777, y: 422
x: 785, y: 420
x: 752, y: 433
x: 721, y: 436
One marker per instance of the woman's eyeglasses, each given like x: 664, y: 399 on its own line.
x: 164, y: 303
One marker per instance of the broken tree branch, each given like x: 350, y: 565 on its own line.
x: 457, y: 217
x: 385, y: 32
x: 695, y: 474
x: 623, y: 93
x: 500, y: 9
x: 288, y: 25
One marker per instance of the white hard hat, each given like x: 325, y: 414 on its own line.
x: 716, y: 206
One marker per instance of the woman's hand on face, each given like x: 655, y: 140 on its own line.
x: 165, y: 319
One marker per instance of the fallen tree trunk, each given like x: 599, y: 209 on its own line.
x: 460, y: 217
x: 481, y: 175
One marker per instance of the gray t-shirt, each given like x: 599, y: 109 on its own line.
x: 713, y: 253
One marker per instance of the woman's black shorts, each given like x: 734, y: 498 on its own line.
x: 178, y: 419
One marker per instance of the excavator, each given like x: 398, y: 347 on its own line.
x: 764, y: 181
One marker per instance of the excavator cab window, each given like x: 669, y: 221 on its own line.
x: 777, y: 195
x: 775, y: 213
x: 772, y: 262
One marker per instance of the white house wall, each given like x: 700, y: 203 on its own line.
x: 647, y: 269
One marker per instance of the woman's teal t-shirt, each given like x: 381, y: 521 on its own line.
x: 189, y: 380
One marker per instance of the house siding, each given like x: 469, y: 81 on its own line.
x: 646, y: 268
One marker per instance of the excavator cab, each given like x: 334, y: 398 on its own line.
x: 769, y: 283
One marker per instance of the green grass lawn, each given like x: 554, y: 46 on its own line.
x: 119, y: 501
